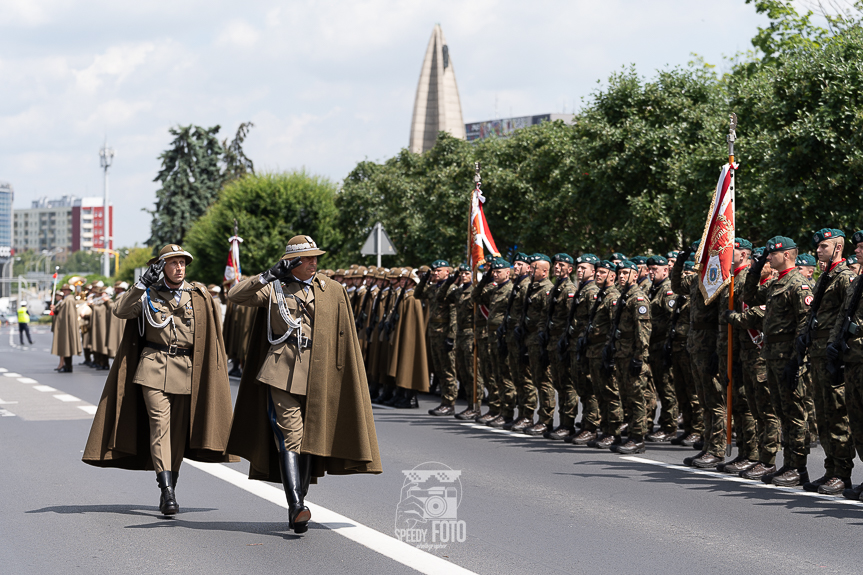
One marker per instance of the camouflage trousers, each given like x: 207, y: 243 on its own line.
x: 810, y: 400
x: 504, y: 386
x: 742, y: 418
x: 791, y: 404
x: 443, y: 365
x: 635, y: 389
x: 486, y: 376
x: 605, y: 389
x: 833, y: 424
x: 464, y: 366
x: 687, y: 397
x: 854, y: 403
x: 524, y: 389
x: 542, y: 381
x: 561, y: 379
x: 665, y: 392
x: 762, y: 406
x: 711, y: 395
x: 590, y: 415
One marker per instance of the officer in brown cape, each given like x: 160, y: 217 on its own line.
x: 99, y: 328
x: 170, y: 367
x: 67, y: 336
x: 409, y: 364
x: 116, y: 325
x: 303, y: 407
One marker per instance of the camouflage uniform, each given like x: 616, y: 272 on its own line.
x: 480, y: 295
x: 662, y: 300
x: 604, y: 384
x: 561, y: 376
x: 633, y: 343
x: 464, y: 342
x: 684, y: 385
x: 701, y: 346
x: 536, y: 304
x: 520, y: 371
x: 787, y: 302
x: 835, y: 432
x: 495, y: 297
x: 580, y: 370
x: 442, y: 326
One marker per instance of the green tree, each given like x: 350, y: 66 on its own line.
x: 136, y: 258
x: 190, y: 181
x: 82, y: 262
x: 270, y: 209
x: 237, y: 164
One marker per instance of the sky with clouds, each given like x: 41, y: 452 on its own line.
x: 327, y: 84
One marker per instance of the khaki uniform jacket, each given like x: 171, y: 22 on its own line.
x: 464, y: 310
x: 158, y: 369
x: 787, y: 299
x: 67, y: 336
x: 284, y: 367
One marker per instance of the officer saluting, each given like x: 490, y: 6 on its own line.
x: 173, y: 360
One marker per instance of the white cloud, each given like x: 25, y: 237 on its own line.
x: 117, y: 61
x: 239, y: 33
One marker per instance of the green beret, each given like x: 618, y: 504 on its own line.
x: 826, y: 234
x: 639, y: 260
x: 657, y: 261
x: 695, y: 244
x: 587, y: 259
x: 851, y: 260
x: 617, y: 256
x: 757, y: 251
x: 440, y: 264
x: 606, y: 264
x: 805, y: 260
x: 565, y: 258
x: 540, y: 258
x: 627, y: 265
x: 498, y: 264
x: 463, y: 268
x: 857, y: 237
x: 672, y: 254
x: 742, y: 244
x: 691, y: 257
x: 688, y: 266
x: 780, y: 244
x: 521, y: 257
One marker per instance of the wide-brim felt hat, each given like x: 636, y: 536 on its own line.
x: 302, y: 246
x: 171, y: 251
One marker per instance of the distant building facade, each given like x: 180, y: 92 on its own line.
x: 504, y: 128
x: 7, y: 194
x: 68, y: 223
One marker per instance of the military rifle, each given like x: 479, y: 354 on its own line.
x: 521, y: 328
x: 849, y: 329
x: 583, y: 340
x: 374, y: 314
x: 549, y: 315
x: 363, y: 316
x: 611, y: 346
x: 563, y: 342
x: 502, y: 350
x: 393, y: 319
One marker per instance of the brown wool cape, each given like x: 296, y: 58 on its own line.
x: 338, y: 425
x: 67, y: 336
x: 409, y: 362
x: 116, y: 327
x: 99, y: 327
x: 120, y: 435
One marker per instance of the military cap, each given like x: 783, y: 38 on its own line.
x: 463, y: 268
x: 587, y: 259
x: 691, y: 257
x: 742, y: 244
x: 617, y: 256
x: 851, y: 260
x: 689, y: 266
x: 538, y: 257
x: 440, y: 264
x: 608, y: 265
x: 65, y: 287
x: 695, y: 244
x: 757, y: 251
x: 329, y: 273
x: 394, y: 273
x: 805, y: 260
x: 521, y: 257
x: 672, y: 254
x: 627, y: 265
x: 657, y: 261
x: 171, y: 251
x: 639, y: 260
x: 301, y: 246
x: 826, y: 234
x: 121, y: 285
x: 214, y: 288
x: 339, y: 272
x: 565, y: 258
x: 857, y: 237
x: 423, y: 269
x: 780, y: 244
x: 498, y: 264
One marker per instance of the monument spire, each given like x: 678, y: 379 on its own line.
x: 437, y: 106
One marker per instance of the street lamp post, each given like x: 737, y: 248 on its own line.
x: 106, y: 158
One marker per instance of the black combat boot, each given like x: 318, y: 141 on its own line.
x: 385, y: 394
x: 167, y: 502
x: 408, y: 400
x: 394, y: 397
x: 298, y: 513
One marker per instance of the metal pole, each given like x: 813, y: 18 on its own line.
x: 378, y: 227
x: 470, y: 239
x: 106, y: 157
x: 732, y: 135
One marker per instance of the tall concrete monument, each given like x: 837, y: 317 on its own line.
x: 437, y: 106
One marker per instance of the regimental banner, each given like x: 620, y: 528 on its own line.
x: 232, y: 267
x: 716, y: 250
x: 480, y: 234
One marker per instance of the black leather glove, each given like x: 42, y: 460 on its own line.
x: 562, y: 346
x: 542, y: 337
x: 801, y: 344
x: 789, y: 374
x: 607, y: 356
x: 684, y: 254
x: 501, y: 331
x: 450, y: 280
x: 486, y: 279
x: 726, y: 315
x: 281, y: 271
x: 151, y: 276
x: 713, y: 364
x: 544, y: 360
x: 635, y: 367
x: 518, y: 333
x: 448, y: 344
x: 758, y: 263
x: 833, y: 351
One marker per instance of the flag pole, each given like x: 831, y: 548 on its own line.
x: 732, y: 135
x: 54, y: 289
x: 478, y: 181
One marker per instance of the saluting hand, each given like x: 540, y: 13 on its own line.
x: 151, y: 276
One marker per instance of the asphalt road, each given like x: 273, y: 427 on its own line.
x: 524, y: 505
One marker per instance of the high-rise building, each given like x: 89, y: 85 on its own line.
x: 7, y: 194
x: 437, y: 107
x: 504, y: 127
x: 68, y: 223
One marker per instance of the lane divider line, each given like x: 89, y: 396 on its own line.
x: 736, y: 479
x: 66, y: 397
x: 386, y: 545
x: 12, y: 374
x: 43, y: 388
x: 5, y: 413
x: 27, y: 380
x: 91, y: 409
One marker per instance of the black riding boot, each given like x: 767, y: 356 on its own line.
x: 174, y: 476
x: 298, y: 513
x: 167, y: 502
x: 305, y: 471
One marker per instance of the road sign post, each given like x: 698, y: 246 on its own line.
x: 378, y: 243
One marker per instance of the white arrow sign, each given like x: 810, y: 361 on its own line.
x: 378, y: 243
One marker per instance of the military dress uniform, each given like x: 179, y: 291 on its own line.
x: 442, y: 334
x: 583, y: 302
x: 560, y: 301
x: 605, y: 386
x: 464, y: 346
x: 535, y: 306
x: 481, y: 296
x: 692, y: 419
x: 662, y: 300
x: 498, y: 298
x: 519, y: 368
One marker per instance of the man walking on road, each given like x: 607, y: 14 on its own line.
x: 24, y: 323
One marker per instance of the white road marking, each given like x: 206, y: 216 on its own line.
x: 4, y: 413
x: 7, y: 402
x: 493, y: 429
x: 43, y: 388
x: 27, y: 380
x: 735, y: 479
x: 12, y: 374
x: 3, y: 370
x: 91, y: 409
x: 379, y: 406
x: 387, y: 546
x: 66, y: 397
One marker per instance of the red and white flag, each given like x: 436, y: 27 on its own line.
x: 232, y: 268
x: 480, y: 235
x: 716, y: 250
